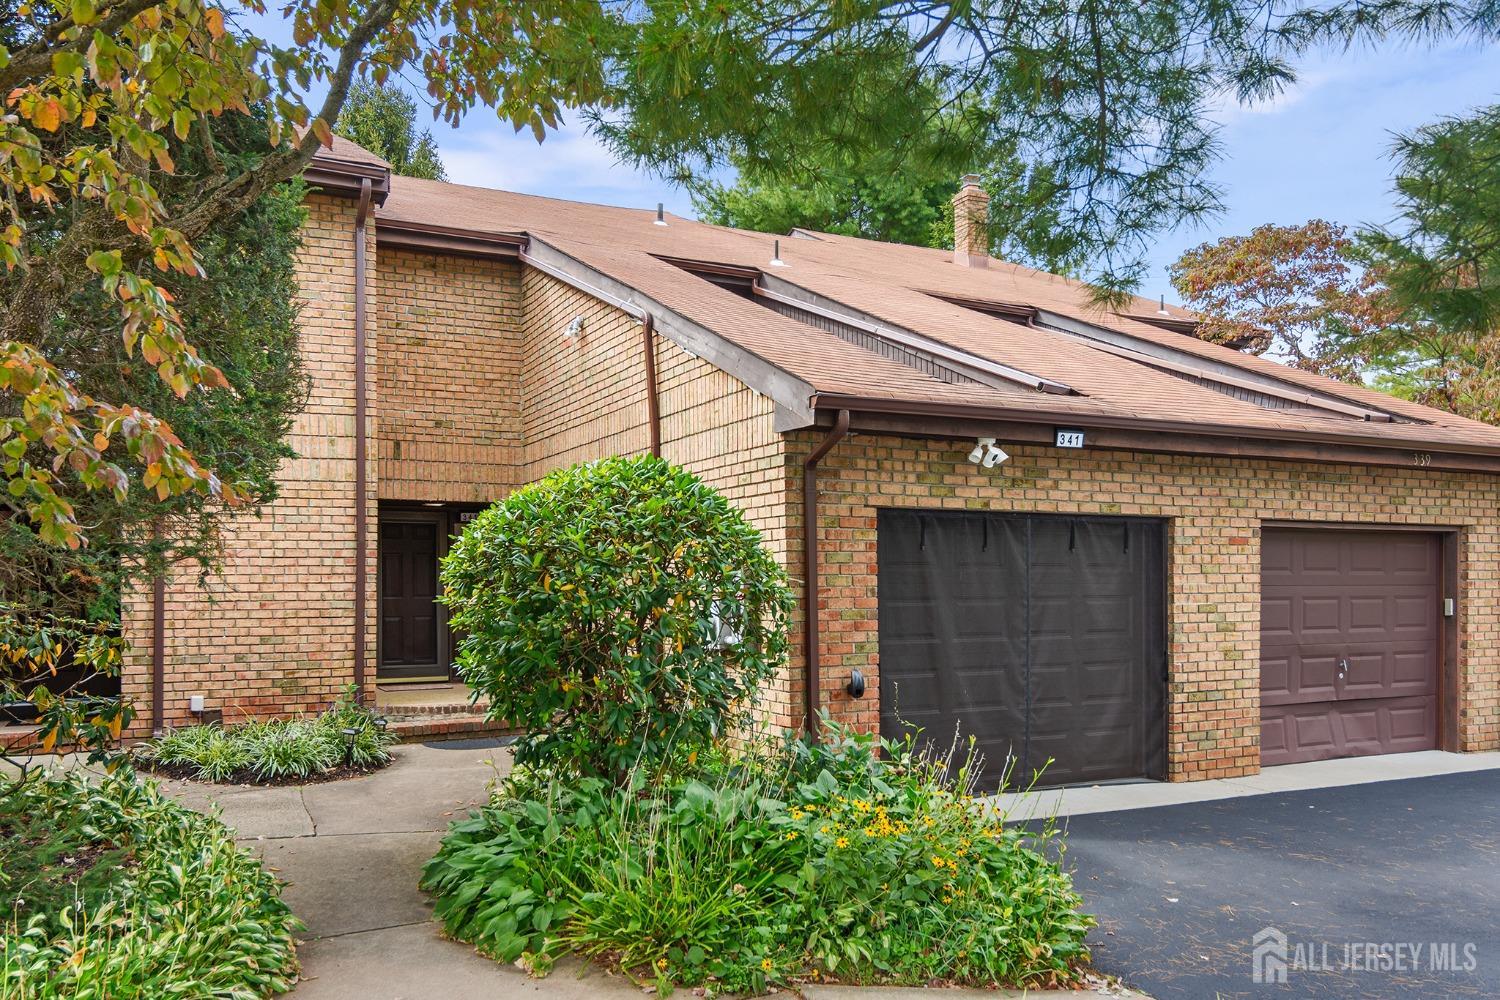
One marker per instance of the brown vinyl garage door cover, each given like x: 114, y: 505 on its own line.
x: 1350, y: 643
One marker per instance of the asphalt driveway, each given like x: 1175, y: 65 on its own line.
x: 1389, y: 889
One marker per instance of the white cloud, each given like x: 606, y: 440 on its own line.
x: 569, y: 163
x: 1225, y: 109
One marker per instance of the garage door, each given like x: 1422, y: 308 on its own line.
x: 1041, y: 637
x: 1350, y: 626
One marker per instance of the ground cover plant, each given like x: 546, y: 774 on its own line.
x: 115, y: 892
x: 852, y: 860
x: 345, y: 740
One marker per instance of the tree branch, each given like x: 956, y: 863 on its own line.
x: 238, y: 193
x: 35, y: 59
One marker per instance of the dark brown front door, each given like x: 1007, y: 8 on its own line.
x: 1350, y: 643
x: 412, y: 633
x: 1041, y: 637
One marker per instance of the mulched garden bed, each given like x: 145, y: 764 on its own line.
x: 249, y: 776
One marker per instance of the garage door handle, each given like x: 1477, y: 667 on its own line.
x: 1343, y: 667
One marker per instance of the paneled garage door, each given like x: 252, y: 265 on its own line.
x: 1041, y: 637
x: 1350, y: 643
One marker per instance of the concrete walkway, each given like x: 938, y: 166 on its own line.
x: 352, y: 852
x: 1287, y: 778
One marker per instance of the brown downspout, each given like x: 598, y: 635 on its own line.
x: 653, y: 405
x: 810, y: 567
x: 158, y: 654
x: 361, y: 516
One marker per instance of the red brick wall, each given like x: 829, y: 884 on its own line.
x: 274, y: 633
x: 448, y: 364
x: 1214, y: 508
x: 586, y: 399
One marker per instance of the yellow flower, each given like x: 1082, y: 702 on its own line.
x: 947, y: 899
x: 797, y: 814
x: 825, y: 828
x: 767, y: 965
x: 938, y: 862
x: 841, y: 842
x: 791, y: 835
x: 862, y: 805
x: 661, y: 963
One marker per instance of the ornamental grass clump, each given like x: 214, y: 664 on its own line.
x: 118, y: 893
x: 856, y: 860
x: 618, y: 612
x: 347, y: 736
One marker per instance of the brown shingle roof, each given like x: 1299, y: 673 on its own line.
x: 909, y: 288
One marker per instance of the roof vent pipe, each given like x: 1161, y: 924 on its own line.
x: 661, y: 214
x: 971, y: 223
x: 776, y: 260
x: 1162, y: 309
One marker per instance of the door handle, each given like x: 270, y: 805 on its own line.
x: 1343, y: 667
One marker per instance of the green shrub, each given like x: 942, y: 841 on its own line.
x: 119, y: 893
x: 797, y: 864
x: 277, y: 749
x: 615, y: 611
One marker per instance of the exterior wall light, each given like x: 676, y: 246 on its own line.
x: 574, y: 328
x: 856, y: 685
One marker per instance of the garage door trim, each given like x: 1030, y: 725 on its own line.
x: 1449, y: 539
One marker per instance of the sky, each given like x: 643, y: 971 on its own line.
x: 1319, y: 150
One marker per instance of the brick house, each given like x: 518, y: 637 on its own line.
x: 1082, y: 535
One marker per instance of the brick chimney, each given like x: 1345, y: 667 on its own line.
x: 971, y: 224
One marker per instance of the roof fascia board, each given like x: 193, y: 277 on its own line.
x: 1411, y: 454
x: 782, y: 387
x: 1111, y: 439
x: 1202, y: 367
x: 418, y: 236
x: 784, y: 421
x: 342, y: 177
x: 981, y: 369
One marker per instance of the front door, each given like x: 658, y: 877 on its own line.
x: 413, y: 634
